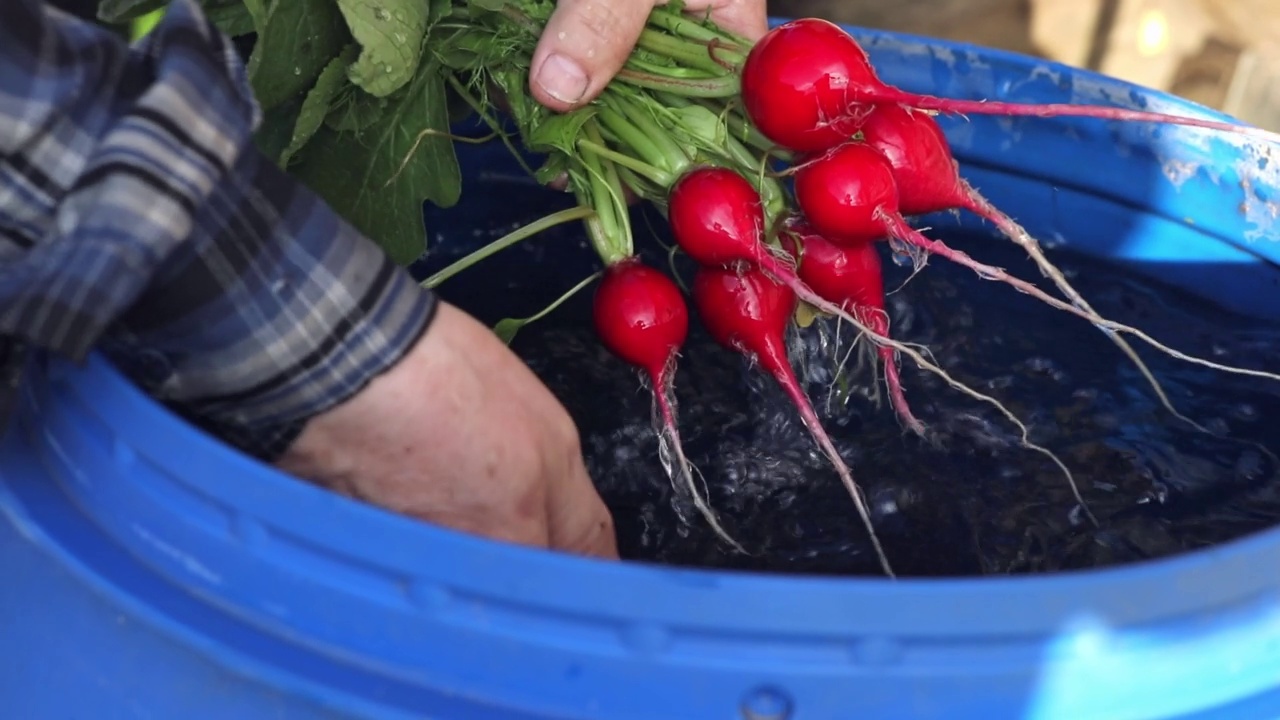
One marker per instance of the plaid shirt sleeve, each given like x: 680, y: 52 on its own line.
x: 137, y: 218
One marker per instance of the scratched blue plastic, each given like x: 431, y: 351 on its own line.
x: 150, y: 572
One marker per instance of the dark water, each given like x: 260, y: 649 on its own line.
x: 968, y: 501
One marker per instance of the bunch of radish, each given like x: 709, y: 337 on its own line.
x: 694, y: 124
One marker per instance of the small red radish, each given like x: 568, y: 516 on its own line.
x: 928, y: 180
x: 807, y: 84
x: 837, y: 200
x: 852, y: 278
x: 845, y: 192
x: 923, y: 167
x: 641, y: 316
x: 794, y: 85
x: 716, y: 218
x: 926, y: 173
x: 745, y: 310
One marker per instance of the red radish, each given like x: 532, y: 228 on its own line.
x: 929, y: 181
x: 853, y: 279
x: 807, y: 85
x: 716, y: 218
x: 836, y: 200
x: 641, y: 316
x: 746, y: 311
x: 845, y: 192
x: 793, y: 85
x: 915, y: 146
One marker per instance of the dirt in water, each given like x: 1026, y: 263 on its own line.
x: 971, y: 501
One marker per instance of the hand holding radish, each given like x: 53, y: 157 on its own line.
x: 586, y: 42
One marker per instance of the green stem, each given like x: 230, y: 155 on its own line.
x: 545, y: 223
x: 644, y: 145
x: 675, y: 72
x: 613, y: 223
x: 646, y: 170
x: 493, y: 124
x: 683, y: 26
x: 690, y: 54
x: 720, y: 87
x: 672, y: 158
x: 745, y: 131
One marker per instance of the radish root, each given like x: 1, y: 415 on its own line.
x: 671, y: 455
x: 907, y: 234
x: 1015, y: 232
x: 805, y: 293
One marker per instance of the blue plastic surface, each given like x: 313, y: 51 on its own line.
x: 150, y: 572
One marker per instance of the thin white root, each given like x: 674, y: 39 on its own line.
x: 1024, y: 239
x: 920, y: 360
x: 989, y: 272
x: 671, y: 455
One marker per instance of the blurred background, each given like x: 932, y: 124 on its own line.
x: 1221, y: 53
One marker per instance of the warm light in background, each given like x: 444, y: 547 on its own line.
x: 1153, y: 33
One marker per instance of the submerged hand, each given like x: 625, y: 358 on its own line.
x: 586, y: 42
x: 461, y: 433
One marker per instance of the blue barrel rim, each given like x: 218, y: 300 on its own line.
x: 1237, y: 567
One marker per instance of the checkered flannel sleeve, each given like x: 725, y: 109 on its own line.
x: 136, y: 218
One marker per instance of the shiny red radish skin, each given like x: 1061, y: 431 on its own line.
x: 808, y: 84
x: 924, y: 169
x: 747, y: 311
x: 793, y: 85
x: 830, y: 189
x: 845, y: 192
x: 641, y: 316
x: 716, y: 216
x: 928, y: 177
x: 854, y: 279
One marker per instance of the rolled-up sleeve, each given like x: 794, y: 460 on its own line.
x: 136, y: 217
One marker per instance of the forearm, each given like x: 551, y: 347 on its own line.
x: 158, y: 234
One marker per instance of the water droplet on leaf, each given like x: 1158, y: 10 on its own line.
x: 297, y: 70
x: 382, y: 14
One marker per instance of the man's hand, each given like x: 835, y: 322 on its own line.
x: 462, y: 434
x: 586, y: 42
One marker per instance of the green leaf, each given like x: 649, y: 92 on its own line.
x: 559, y: 132
x: 300, y: 37
x: 276, y: 130
x: 258, y: 10
x: 440, y: 8
x: 351, y: 171
x: 390, y: 34
x: 233, y: 19
x: 554, y: 166
x: 316, y: 106
x: 507, y: 328
x: 490, y: 5
x: 122, y: 11
x: 357, y: 109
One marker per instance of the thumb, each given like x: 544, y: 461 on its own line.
x: 584, y: 44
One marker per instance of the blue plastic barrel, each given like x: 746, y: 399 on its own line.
x: 149, y: 572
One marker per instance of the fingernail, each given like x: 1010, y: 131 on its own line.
x: 563, y: 79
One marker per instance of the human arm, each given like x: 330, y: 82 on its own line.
x: 137, y: 218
